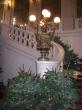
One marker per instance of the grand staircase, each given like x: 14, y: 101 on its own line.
x: 22, y: 41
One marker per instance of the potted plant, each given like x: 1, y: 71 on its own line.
x: 55, y: 91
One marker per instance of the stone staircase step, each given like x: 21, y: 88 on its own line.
x: 80, y: 108
x: 79, y: 80
x: 80, y: 76
x: 79, y: 84
x: 79, y: 102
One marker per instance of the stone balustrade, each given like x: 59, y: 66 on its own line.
x: 78, y: 23
x: 20, y: 36
x: 24, y: 37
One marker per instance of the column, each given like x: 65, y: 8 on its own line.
x: 35, y: 8
x: 8, y: 11
x: 68, y: 14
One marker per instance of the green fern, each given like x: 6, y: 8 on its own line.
x: 55, y: 91
x: 70, y: 58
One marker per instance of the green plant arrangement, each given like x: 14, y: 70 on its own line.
x: 70, y: 58
x: 55, y: 91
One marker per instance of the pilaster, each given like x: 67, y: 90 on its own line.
x: 68, y: 14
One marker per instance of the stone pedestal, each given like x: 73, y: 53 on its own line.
x: 44, y: 66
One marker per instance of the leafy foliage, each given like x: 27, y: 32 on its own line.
x: 70, y: 58
x: 55, y: 91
